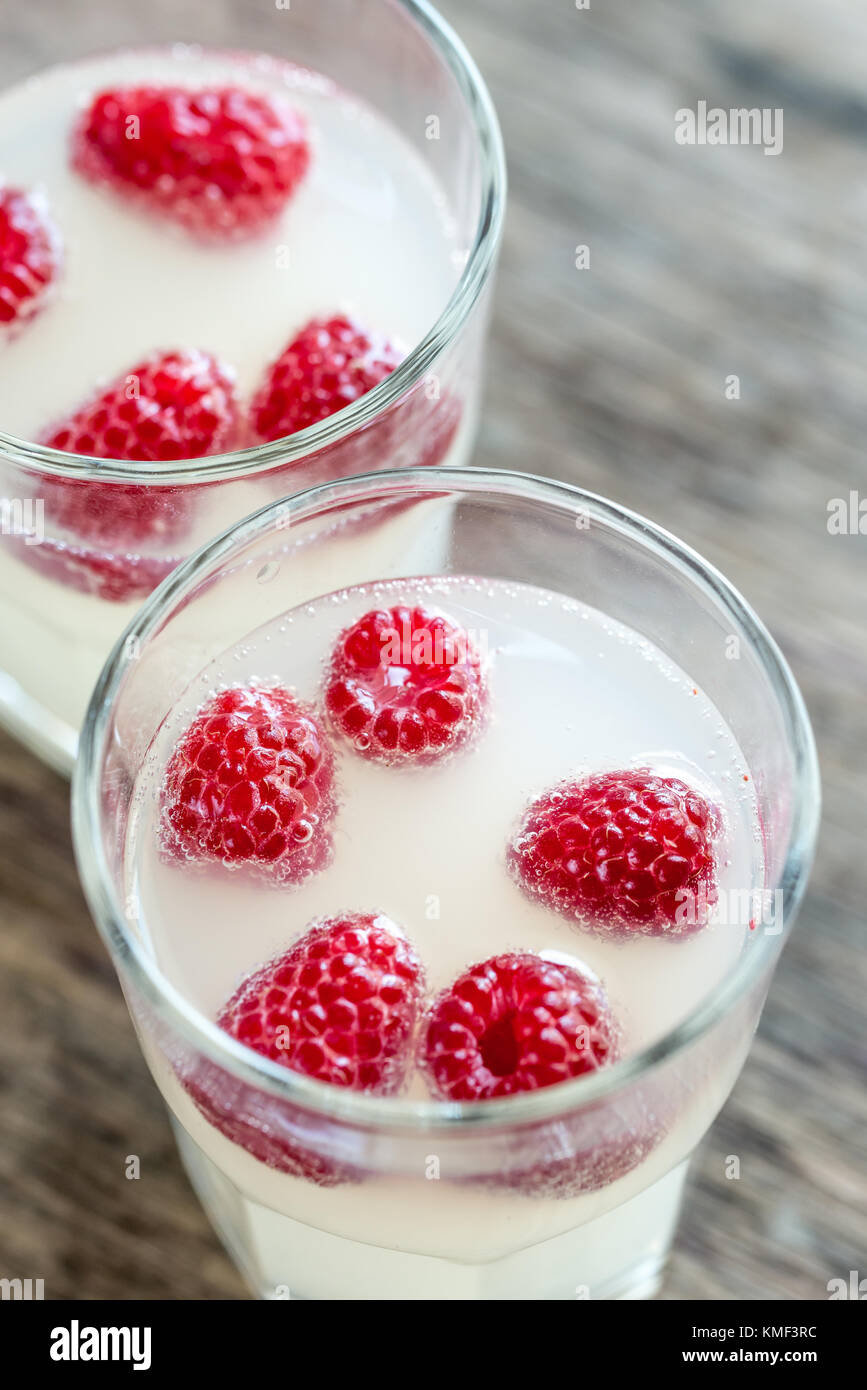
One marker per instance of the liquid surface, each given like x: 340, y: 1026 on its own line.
x: 367, y: 232
x: 571, y: 692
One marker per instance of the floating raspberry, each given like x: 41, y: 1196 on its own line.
x: 29, y: 257
x: 328, y: 365
x: 111, y: 538
x: 340, y: 1005
x: 405, y: 685
x: 222, y: 161
x: 251, y: 782
x: 516, y: 1023
x: 623, y: 853
x: 174, y: 405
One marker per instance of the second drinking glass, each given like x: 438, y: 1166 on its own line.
x: 232, y: 240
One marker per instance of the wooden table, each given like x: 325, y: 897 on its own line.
x: 704, y: 263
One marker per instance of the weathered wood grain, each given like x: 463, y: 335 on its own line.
x: 703, y: 263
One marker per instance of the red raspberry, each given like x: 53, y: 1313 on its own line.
x: 340, y: 1005
x: 327, y: 366
x: 251, y: 782
x: 405, y: 685
x: 176, y: 405
x: 516, y: 1023
x: 223, y: 162
x: 623, y: 853
x: 29, y: 257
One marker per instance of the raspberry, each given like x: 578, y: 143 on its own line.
x: 340, y: 1005
x: 29, y: 257
x: 174, y: 405
x: 327, y: 366
x: 516, y: 1023
x: 251, y: 782
x: 623, y: 853
x: 223, y: 162
x: 405, y: 685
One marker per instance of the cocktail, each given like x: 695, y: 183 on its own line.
x: 445, y: 827
x: 228, y: 269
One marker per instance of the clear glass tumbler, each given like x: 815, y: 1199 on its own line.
x: 567, y: 1192
x: 70, y: 577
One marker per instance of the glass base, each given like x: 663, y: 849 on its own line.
x: 620, y: 1255
x: 50, y: 738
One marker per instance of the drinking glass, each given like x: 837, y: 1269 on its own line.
x: 571, y: 1191
x: 64, y: 597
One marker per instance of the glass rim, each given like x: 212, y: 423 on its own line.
x: 259, y: 458
x: 398, y: 1113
